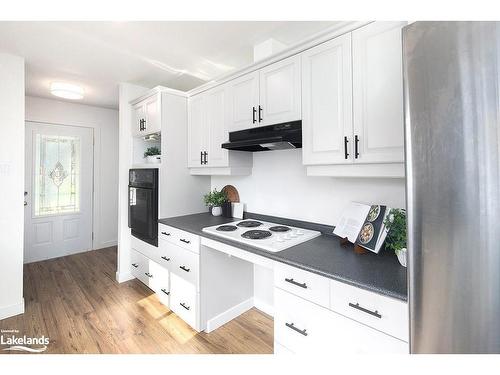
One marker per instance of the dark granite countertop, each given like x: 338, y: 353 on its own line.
x: 322, y: 255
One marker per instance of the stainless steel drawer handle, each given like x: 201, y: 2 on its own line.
x: 148, y: 274
x: 135, y: 265
x: 165, y: 291
x: 185, y: 241
x: 165, y: 258
x: 184, y: 305
x: 292, y: 281
x: 165, y: 233
x: 184, y: 268
x: 360, y: 308
x: 301, y: 331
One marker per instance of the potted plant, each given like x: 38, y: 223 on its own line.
x: 395, y: 222
x: 214, y: 201
x: 152, y: 155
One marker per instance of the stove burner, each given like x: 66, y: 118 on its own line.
x: 249, y: 224
x: 226, y: 228
x: 256, y: 234
x: 279, y: 228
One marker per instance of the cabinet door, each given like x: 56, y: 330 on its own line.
x: 197, y: 131
x: 243, y: 101
x: 152, y: 107
x: 280, y: 92
x: 138, y: 116
x: 327, y: 103
x: 217, y: 126
x: 378, y: 92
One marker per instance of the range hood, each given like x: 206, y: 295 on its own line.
x: 266, y: 138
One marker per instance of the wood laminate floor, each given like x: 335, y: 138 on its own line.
x: 77, y: 303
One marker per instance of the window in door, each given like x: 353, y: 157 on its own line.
x: 56, y: 175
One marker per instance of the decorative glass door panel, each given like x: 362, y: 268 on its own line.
x: 56, y: 175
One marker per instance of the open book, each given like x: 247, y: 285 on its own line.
x: 363, y: 225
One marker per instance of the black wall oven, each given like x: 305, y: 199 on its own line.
x: 143, y: 204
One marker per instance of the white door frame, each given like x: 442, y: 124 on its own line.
x: 93, y: 130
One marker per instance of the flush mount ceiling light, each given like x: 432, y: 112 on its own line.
x: 66, y: 90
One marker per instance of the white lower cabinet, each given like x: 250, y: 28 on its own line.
x: 301, y: 326
x: 184, y: 300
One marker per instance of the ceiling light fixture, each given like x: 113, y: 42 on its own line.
x: 66, y: 90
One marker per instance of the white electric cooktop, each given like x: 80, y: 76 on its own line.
x: 263, y: 235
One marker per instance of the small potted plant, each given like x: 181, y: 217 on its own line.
x: 214, y: 200
x: 152, y: 155
x: 395, y: 222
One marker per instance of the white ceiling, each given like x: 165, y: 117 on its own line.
x: 99, y: 55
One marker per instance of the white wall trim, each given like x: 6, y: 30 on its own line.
x: 263, y: 306
x: 121, y: 277
x: 229, y: 315
x: 12, y: 310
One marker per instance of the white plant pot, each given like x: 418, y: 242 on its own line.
x: 401, y: 254
x: 155, y: 159
x: 217, y: 211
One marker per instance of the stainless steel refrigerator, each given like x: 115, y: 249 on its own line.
x: 453, y: 185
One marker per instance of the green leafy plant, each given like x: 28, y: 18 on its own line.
x: 215, y: 198
x: 152, y: 151
x: 396, y: 224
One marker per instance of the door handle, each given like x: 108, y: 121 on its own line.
x: 301, y: 331
x: 292, y: 281
x: 184, y: 305
x: 254, y: 112
x: 346, y: 154
x: 356, y: 141
x: 184, y: 268
x: 260, y: 113
x: 365, y: 310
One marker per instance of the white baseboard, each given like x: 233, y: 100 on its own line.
x: 263, y: 306
x: 105, y: 244
x: 121, y: 277
x: 12, y: 310
x: 229, y: 315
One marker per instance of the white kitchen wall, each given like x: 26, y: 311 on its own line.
x: 11, y: 184
x: 279, y: 186
x: 104, y: 121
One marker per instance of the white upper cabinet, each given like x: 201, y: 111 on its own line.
x: 197, y: 131
x: 280, y: 92
x: 327, y: 103
x: 216, y: 110
x: 147, y: 116
x: 378, y: 93
x: 243, y: 101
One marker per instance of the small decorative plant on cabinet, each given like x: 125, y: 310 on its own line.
x: 395, y: 222
x: 214, y: 200
x: 153, y: 155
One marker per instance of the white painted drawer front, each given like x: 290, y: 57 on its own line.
x: 180, y: 238
x: 160, y: 282
x: 299, y: 325
x: 139, y: 267
x: 165, y: 254
x: 280, y: 349
x: 304, y: 284
x: 181, y: 261
x: 184, y: 300
x: 383, y: 313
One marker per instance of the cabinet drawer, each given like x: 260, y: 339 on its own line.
x: 160, y: 282
x: 184, y: 300
x: 299, y: 325
x: 180, y: 261
x: 304, y: 284
x: 327, y: 332
x: 382, y: 313
x: 139, y: 267
x: 180, y: 238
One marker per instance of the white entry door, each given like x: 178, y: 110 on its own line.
x: 58, y: 208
